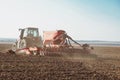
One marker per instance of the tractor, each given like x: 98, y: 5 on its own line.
x: 29, y: 42
x: 57, y: 42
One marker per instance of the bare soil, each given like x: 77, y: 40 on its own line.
x: 102, y: 64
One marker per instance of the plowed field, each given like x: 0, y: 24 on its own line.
x: 104, y: 66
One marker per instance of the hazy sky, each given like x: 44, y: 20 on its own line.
x: 82, y: 19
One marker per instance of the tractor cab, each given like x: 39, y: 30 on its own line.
x: 29, y: 39
x: 28, y: 32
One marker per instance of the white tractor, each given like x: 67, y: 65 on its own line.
x: 30, y: 42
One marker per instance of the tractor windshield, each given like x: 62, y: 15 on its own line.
x: 31, y: 32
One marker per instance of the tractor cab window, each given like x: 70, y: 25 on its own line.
x: 32, y: 33
x: 21, y: 33
x: 25, y: 32
x: 35, y: 33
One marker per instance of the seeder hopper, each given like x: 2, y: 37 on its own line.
x: 58, y: 42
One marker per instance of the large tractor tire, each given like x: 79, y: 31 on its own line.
x: 14, y: 47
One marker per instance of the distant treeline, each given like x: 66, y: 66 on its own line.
x: 91, y: 42
x: 99, y: 42
x: 7, y: 39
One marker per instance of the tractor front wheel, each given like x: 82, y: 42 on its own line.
x: 14, y: 47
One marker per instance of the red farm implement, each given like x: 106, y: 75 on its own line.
x: 59, y: 42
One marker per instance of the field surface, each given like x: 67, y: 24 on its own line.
x: 102, y: 64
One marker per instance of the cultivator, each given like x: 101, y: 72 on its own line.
x: 54, y: 43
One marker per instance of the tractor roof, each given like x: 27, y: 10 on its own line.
x: 30, y: 28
